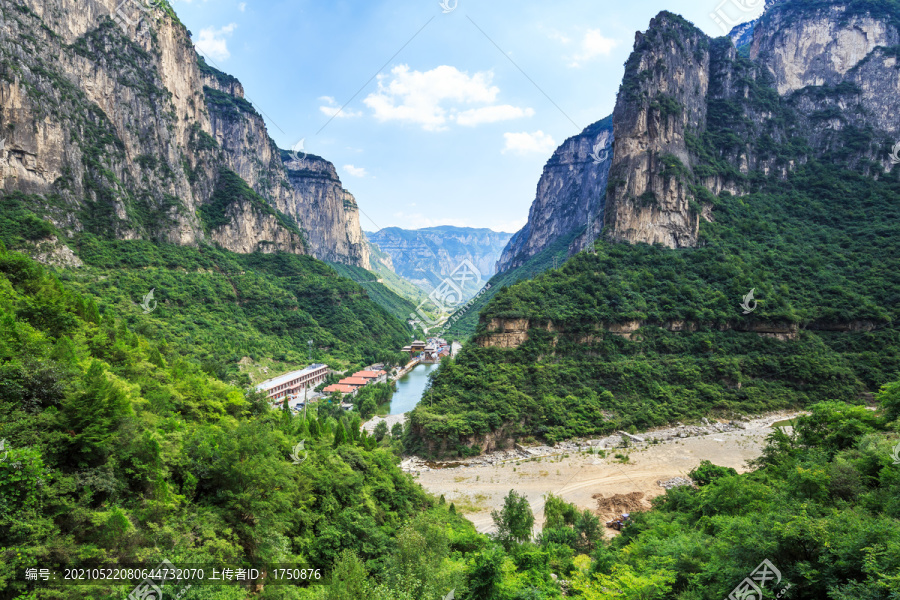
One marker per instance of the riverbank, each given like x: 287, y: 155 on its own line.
x: 588, y: 473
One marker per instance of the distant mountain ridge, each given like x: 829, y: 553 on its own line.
x: 426, y: 256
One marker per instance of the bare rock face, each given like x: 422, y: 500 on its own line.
x: 571, y: 188
x: 124, y: 133
x: 328, y: 213
x: 663, y: 97
x: 828, y: 75
x: 816, y: 49
x: 839, y: 68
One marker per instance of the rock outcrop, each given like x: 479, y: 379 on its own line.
x: 512, y: 333
x: 118, y: 129
x: 662, y: 98
x: 570, y: 194
x: 825, y: 74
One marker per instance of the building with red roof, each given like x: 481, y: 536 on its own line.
x: 354, y: 381
x: 371, y: 376
x: 343, y: 389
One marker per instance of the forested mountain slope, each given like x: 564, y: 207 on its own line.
x: 746, y: 177
x: 228, y: 311
x: 119, y: 450
x: 125, y: 132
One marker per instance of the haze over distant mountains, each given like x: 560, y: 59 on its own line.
x: 427, y: 256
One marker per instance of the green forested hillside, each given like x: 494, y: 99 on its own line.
x: 382, y: 294
x: 820, y: 264
x: 400, y: 286
x: 118, y: 450
x: 220, y: 307
x: 555, y: 254
x: 121, y: 449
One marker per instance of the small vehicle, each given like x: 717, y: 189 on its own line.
x: 620, y: 522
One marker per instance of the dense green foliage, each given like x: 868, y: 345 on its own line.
x: 382, y: 294
x: 817, y: 263
x: 219, y: 307
x: 464, y: 324
x: 119, y: 452
x: 121, y: 449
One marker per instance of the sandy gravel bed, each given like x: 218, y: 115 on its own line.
x: 577, y: 472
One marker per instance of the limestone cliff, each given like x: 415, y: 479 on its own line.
x: 571, y: 188
x: 662, y: 98
x: 118, y: 130
x: 695, y: 118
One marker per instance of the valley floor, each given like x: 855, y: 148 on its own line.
x: 603, y: 485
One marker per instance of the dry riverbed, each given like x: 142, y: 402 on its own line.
x: 578, y: 472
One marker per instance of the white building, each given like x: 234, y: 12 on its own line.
x: 294, y: 382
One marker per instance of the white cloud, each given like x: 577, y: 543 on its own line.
x: 212, y: 41
x: 593, y: 44
x: 242, y: 6
x: 492, y: 114
x: 432, y: 98
x: 524, y: 142
x: 508, y: 226
x: 332, y: 109
x: 355, y: 171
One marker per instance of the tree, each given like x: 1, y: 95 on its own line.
x: 368, y: 407
x: 381, y: 430
x: 627, y: 583
x: 349, y: 578
x: 486, y: 575
x: 514, y: 521
x: 340, y: 435
x: 889, y: 398
x: 707, y: 472
x: 397, y: 431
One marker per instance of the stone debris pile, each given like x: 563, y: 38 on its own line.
x: 675, y: 482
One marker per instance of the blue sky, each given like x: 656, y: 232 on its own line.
x: 450, y: 131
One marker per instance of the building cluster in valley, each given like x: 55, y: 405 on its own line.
x: 298, y: 387
x: 431, y: 351
x: 350, y: 385
x: 292, y: 384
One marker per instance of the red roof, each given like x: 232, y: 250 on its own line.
x: 369, y: 374
x: 344, y: 389
x: 353, y: 381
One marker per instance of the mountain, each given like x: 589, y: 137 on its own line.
x: 571, y: 190
x: 130, y: 165
x: 126, y: 133
x: 426, y: 256
x: 383, y: 266
x: 748, y: 258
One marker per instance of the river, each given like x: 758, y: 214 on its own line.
x: 410, y: 388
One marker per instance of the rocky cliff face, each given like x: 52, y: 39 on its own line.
x: 571, y: 188
x: 838, y: 67
x: 693, y: 118
x: 662, y: 98
x: 427, y: 256
x: 119, y: 130
x: 330, y: 214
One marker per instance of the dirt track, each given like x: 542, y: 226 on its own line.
x: 582, y: 479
